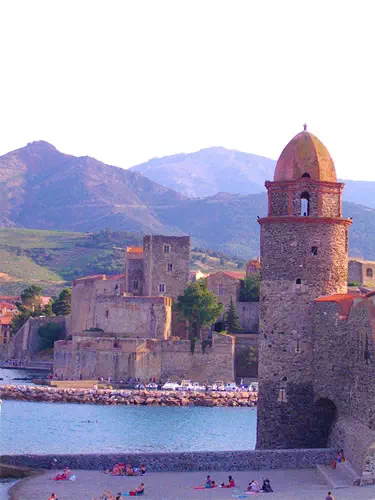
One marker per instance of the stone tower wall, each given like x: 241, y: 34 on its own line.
x: 134, y: 273
x: 285, y: 326
x: 156, y: 261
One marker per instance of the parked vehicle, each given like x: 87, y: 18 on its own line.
x: 254, y: 387
x: 151, y: 385
x: 231, y: 387
x: 198, y: 387
x: 218, y: 386
x: 185, y: 385
x: 171, y: 386
x: 140, y: 386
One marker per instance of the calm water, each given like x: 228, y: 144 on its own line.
x: 8, y: 376
x: 64, y: 428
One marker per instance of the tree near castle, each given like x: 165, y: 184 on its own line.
x: 200, y: 307
x: 231, y: 318
x: 62, y: 305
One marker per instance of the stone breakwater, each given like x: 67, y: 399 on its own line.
x: 126, y: 397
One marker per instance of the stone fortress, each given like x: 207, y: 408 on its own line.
x: 124, y: 326
x: 316, y: 341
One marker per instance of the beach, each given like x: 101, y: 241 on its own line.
x: 288, y: 484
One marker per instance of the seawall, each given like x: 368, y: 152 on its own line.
x: 126, y: 397
x: 180, y: 462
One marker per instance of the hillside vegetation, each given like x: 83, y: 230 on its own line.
x: 52, y: 259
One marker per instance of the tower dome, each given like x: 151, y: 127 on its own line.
x: 305, y: 156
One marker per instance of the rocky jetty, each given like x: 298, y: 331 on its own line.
x: 126, y: 397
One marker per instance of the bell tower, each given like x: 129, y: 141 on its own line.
x: 304, y: 255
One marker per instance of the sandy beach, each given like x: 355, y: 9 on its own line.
x: 287, y: 484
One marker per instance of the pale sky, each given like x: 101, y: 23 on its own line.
x: 128, y: 80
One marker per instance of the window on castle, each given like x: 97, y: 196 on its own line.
x: 298, y: 281
x: 135, y: 285
x: 369, y: 273
x: 305, y: 204
x: 170, y: 268
x: 107, y: 313
x: 314, y: 250
x: 282, y: 396
x: 167, y: 248
x: 220, y: 289
x: 161, y: 288
x: 306, y: 175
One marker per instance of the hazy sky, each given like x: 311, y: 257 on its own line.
x: 128, y: 80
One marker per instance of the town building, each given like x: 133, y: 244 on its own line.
x: 7, y: 311
x: 361, y: 272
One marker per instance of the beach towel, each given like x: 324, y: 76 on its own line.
x: 131, y: 494
x: 204, y: 487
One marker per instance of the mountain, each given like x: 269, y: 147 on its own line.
x: 213, y: 170
x: 42, y: 188
x: 210, y: 171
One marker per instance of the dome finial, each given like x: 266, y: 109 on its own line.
x: 305, y: 127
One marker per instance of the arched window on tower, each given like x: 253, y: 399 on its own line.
x: 306, y: 175
x: 305, y: 204
x: 369, y: 273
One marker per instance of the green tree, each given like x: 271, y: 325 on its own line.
x: 247, y: 362
x: 62, y: 305
x: 199, y: 306
x: 250, y: 289
x: 49, y: 333
x: 231, y: 319
x: 31, y: 295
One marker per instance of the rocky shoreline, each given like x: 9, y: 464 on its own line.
x: 127, y: 397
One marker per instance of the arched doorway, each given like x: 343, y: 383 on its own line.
x: 324, y: 416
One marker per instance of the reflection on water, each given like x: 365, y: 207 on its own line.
x: 70, y: 428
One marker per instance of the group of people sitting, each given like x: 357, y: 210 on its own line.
x: 254, y: 486
x: 126, y: 470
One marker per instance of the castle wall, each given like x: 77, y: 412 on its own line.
x: 166, y: 262
x: 215, y: 364
x: 84, y: 292
x: 144, y: 358
x: 134, y: 271
x: 362, y: 271
x: 249, y: 315
x: 145, y: 317
x: 344, y: 372
x: 27, y: 341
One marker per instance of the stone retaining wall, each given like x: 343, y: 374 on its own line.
x: 126, y: 397
x: 181, y: 462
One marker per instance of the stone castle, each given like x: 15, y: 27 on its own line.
x: 316, y: 341
x: 124, y: 326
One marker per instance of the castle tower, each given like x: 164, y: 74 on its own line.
x: 304, y: 254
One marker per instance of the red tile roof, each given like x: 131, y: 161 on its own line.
x: 344, y: 300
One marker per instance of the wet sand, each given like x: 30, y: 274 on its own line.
x: 291, y: 484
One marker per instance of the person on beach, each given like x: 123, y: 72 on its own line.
x: 254, y: 486
x: 330, y: 496
x: 266, y: 487
x: 138, y: 491
x: 142, y: 470
x: 129, y: 471
x: 231, y: 483
x: 207, y: 483
x: 53, y: 497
